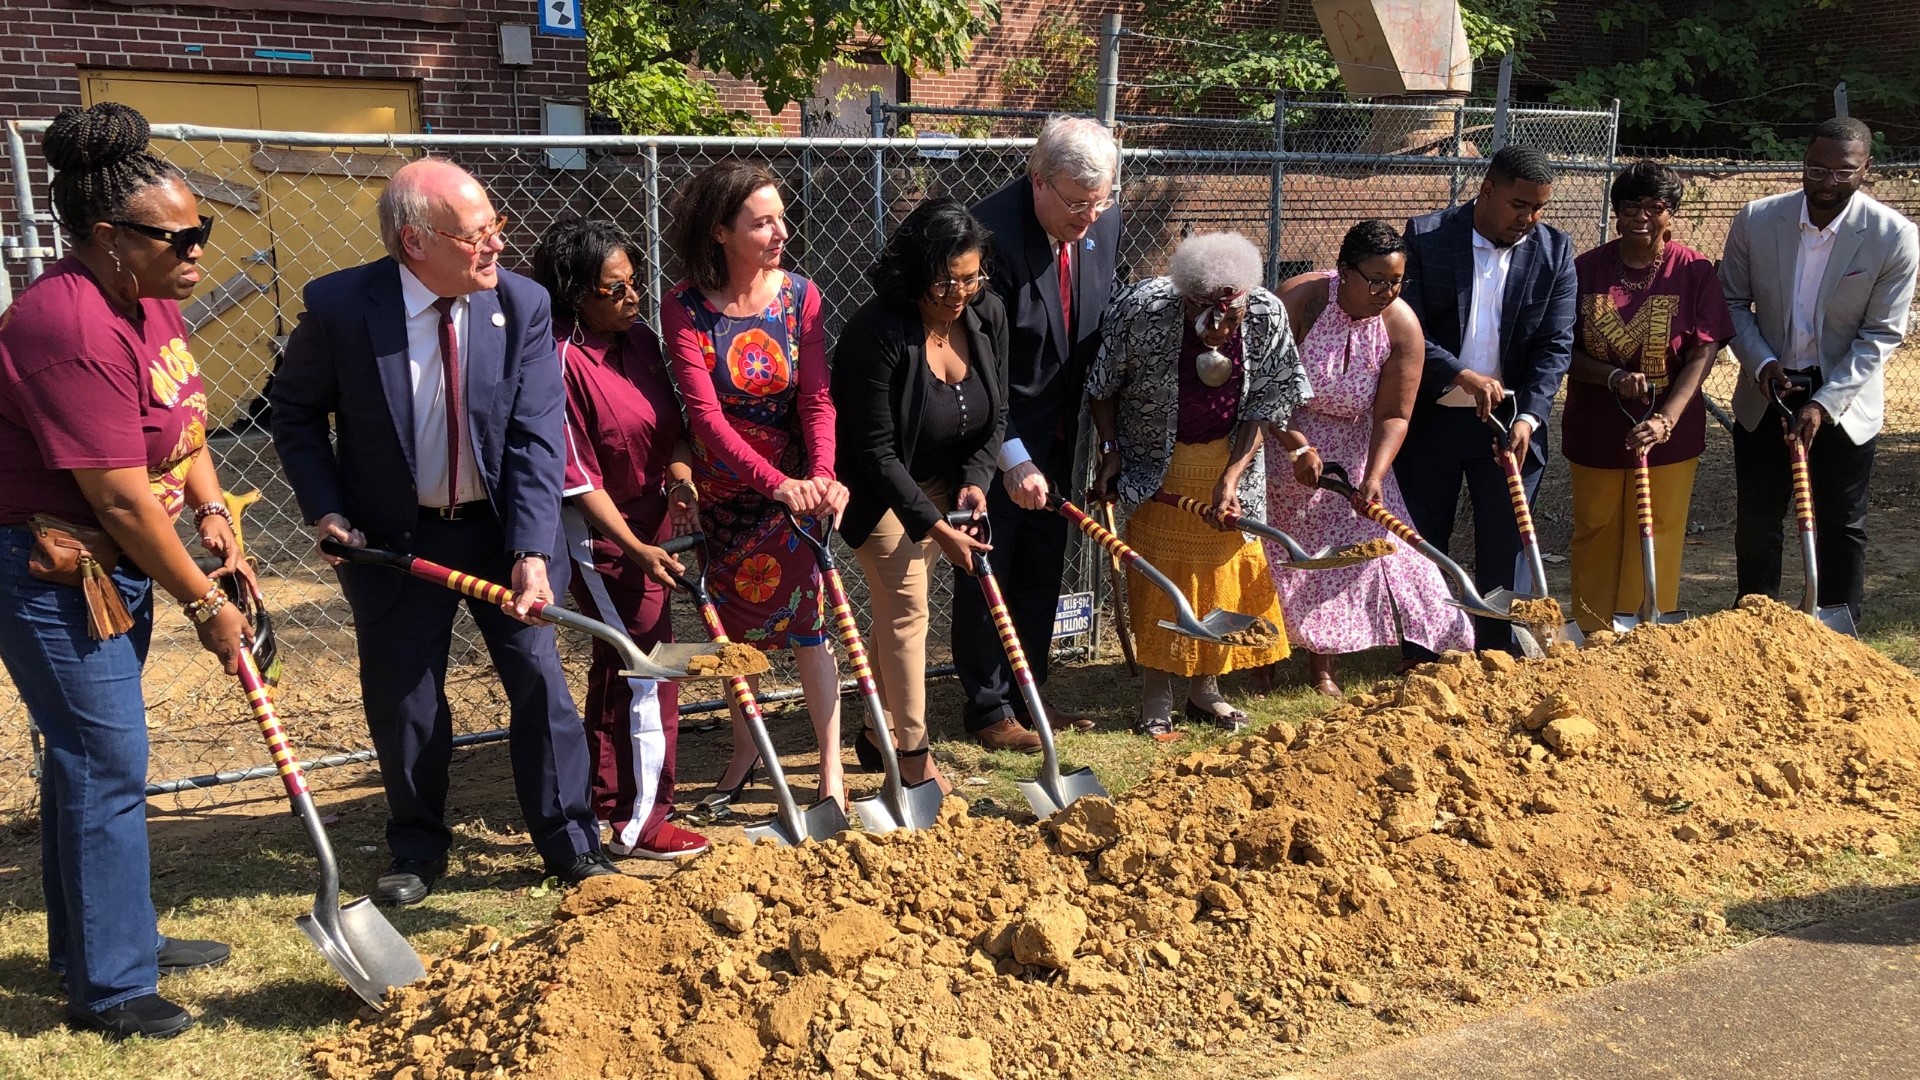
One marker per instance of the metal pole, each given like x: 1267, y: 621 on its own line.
x: 23, y: 198
x: 1109, y: 74
x: 1606, y: 186
x: 1500, y: 103
x: 654, y: 273
x: 1840, y: 98
x: 807, y: 123
x: 1276, y: 180
x: 879, y: 116
x: 1459, y: 134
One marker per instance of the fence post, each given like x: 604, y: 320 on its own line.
x: 654, y: 274
x: 879, y: 115
x: 1455, y: 178
x: 1500, y: 103
x: 1277, y: 179
x: 1840, y: 98
x: 1606, y: 178
x: 1109, y: 74
x: 23, y: 199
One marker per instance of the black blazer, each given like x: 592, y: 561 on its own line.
x: 1536, y: 329
x: 1046, y: 373
x: 880, y: 386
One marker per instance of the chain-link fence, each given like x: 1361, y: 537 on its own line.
x: 294, y: 206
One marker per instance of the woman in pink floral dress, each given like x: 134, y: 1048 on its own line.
x: 1362, y: 350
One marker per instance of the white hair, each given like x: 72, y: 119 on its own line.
x: 1077, y: 149
x: 406, y: 201
x: 1207, y: 264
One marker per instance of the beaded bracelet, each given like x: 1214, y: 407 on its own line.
x: 213, y: 509
x: 203, y: 610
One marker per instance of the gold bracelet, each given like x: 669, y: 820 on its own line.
x: 202, y: 610
x: 684, y: 483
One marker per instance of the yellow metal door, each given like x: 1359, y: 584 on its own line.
x: 284, y: 216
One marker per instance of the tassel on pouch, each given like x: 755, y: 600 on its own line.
x: 107, y: 614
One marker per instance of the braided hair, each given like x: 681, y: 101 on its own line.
x: 100, y: 162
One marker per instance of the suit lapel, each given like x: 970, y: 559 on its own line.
x: 387, y: 331
x: 1041, y: 262
x: 483, y: 364
x: 1786, y: 262
x: 1846, y: 244
x: 1519, y: 272
x: 1462, y: 249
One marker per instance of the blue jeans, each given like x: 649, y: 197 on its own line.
x: 85, y: 696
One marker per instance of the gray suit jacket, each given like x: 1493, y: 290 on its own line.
x: 1865, y: 298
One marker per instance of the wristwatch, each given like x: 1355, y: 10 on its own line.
x: 1109, y: 446
x: 541, y: 555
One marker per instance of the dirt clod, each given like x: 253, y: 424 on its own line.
x: 1385, y: 856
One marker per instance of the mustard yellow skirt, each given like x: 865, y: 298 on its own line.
x: 1215, y: 569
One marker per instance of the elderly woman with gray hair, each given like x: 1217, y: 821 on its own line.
x: 1196, y: 363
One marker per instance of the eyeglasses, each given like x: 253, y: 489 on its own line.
x: 1838, y: 176
x: 1382, y: 286
x: 480, y: 238
x: 1641, y: 210
x: 952, y: 287
x: 1098, y: 206
x: 618, y: 291
x: 183, y: 240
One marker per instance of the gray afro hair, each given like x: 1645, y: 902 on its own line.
x: 1207, y: 263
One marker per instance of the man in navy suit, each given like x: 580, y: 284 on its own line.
x: 1055, y: 237
x: 437, y: 371
x: 1496, y: 292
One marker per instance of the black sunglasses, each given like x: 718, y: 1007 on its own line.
x: 183, y: 240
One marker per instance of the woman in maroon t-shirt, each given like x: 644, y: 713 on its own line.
x: 103, y: 426
x: 1651, y: 320
x: 626, y: 464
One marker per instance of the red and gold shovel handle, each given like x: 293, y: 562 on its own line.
x: 1208, y: 511
x: 1643, y: 496
x: 736, y: 684
x: 261, y: 701
x: 849, y: 633
x: 1384, y: 518
x: 1802, y: 487
x: 1114, y: 545
x: 1517, y: 491
x: 1003, y: 625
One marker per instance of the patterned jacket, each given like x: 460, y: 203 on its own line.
x: 1140, y: 364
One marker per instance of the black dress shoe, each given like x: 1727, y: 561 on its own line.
x: 408, y: 881
x: 585, y: 865
x: 152, y: 1017
x: 178, y: 955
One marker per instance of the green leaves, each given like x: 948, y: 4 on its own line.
x: 640, y: 54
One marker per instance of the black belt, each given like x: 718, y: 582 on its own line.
x: 458, y: 513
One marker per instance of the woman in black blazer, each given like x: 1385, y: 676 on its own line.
x: 919, y: 386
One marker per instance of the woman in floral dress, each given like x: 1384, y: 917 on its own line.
x: 748, y: 358
x: 1362, y: 349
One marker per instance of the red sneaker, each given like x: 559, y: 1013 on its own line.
x: 666, y: 841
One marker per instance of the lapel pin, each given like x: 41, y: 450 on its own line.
x: 499, y: 319
x: 1089, y: 243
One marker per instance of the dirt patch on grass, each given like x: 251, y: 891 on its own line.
x: 1396, y: 854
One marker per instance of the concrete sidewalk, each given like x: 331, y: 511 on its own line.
x: 1835, y: 1001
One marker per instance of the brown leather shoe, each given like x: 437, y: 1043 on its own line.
x: 1007, y: 734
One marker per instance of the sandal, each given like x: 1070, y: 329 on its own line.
x: 1231, y: 720
x: 1160, y: 729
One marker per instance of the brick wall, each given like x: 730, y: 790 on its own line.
x: 449, y: 48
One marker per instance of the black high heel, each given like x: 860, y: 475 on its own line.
x: 868, y: 752
x: 719, y: 802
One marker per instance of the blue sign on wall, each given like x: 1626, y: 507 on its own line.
x: 561, y: 18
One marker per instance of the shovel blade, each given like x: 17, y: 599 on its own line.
x: 365, y: 949
x: 820, y: 822
x: 1049, y: 799
x: 1623, y: 623
x: 1838, y: 619
x: 1668, y: 618
x: 911, y: 806
x: 1214, y: 626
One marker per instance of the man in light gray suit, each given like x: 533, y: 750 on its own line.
x: 1820, y: 283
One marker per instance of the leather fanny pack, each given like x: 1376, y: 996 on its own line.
x: 83, y: 557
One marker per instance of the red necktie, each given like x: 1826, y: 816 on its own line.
x: 450, y: 382
x: 1066, y: 291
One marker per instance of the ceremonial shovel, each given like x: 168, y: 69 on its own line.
x: 1333, y: 477
x: 1836, y: 617
x: 823, y: 820
x: 1523, y: 521
x: 1643, y: 508
x: 1298, y: 557
x: 356, y: 939
x: 1052, y: 791
x: 1214, y: 627
x: 899, y: 805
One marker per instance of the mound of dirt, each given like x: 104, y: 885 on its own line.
x: 1396, y: 854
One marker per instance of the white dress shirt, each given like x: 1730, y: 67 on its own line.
x: 1013, y: 451
x: 1480, y: 347
x: 430, y: 399
x: 1810, y: 266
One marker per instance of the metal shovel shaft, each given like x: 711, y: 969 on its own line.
x: 1186, y: 622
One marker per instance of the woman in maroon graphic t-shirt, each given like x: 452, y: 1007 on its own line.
x: 103, y: 427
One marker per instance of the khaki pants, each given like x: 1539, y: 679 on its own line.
x: 898, y: 573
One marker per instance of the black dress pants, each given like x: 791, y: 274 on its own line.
x: 1840, y: 471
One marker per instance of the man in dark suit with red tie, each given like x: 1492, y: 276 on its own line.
x: 436, y: 369
x: 1055, y: 239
